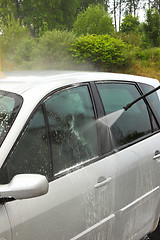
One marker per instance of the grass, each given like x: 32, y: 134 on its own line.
x: 139, y: 69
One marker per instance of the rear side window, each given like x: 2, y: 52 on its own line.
x: 133, y: 123
x: 152, y: 99
x: 72, y: 128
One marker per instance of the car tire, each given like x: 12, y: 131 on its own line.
x: 156, y: 234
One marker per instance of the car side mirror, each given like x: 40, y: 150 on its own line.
x: 25, y: 186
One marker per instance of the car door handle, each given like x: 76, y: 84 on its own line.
x: 157, y: 156
x: 102, y: 181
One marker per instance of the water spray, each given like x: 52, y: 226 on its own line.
x: 1, y: 74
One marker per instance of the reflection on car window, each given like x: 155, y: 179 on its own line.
x: 133, y: 123
x: 31, y: 153
x: 72, y: 128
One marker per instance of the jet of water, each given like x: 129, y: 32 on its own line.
x: 111, y: 118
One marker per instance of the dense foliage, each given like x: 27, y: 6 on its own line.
x: 44, y: 15
x: 104, y: 51
x: 39, y: 34
x: 152, y: 27
x: 61, y: 14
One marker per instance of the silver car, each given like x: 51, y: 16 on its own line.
x: 75, y: 162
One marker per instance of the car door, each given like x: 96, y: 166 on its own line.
x: 136, y: 138
x: 61, y: 142
x: 5, y: 232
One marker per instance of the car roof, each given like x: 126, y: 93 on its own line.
x: 26, y: 82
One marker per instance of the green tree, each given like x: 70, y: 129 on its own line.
x: 131, y: 6
x: 129, y: 24
x: 42, y: 15
x: 154, y: 4
x: 70, y: 10
x: 84, y: 4
x: 152, y: 27
x: 94, y: 20
x: 7, y: 7
x: 49, y: 14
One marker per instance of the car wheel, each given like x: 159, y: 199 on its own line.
x: 156, y: 234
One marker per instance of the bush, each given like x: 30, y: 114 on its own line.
x: 144, y: 54
x: 52, y: 49
x: 103, y: 51
x: 13, y: 41
x: 94, y: 20
x: 132, y: 39
x: 152, y: 54
x: 149, y: 58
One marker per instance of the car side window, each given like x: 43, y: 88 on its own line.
x: 153, y: 99
x: 31, y: 154
x: 72, y: 128
x: 133, y: 123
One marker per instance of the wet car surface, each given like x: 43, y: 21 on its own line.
x: 74, y: 163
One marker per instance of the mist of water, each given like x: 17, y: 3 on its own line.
x: 111, y: 118
x: 105, y: 123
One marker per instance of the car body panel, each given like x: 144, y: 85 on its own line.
x: 26, y: 81
x: 137, y: 188
x: 5, y: 232
x: 92, y: 207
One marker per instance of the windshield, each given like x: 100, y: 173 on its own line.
x: 10, y: 104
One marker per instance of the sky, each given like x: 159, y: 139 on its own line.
x: 141, y: 15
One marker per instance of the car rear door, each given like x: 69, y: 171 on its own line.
x: 135, y: 136
x: 61, y: 141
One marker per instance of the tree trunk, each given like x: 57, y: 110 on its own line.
x: 106, y: 5
x: 17, y: 4
x: 115, y: 15
x: 120, y: 12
